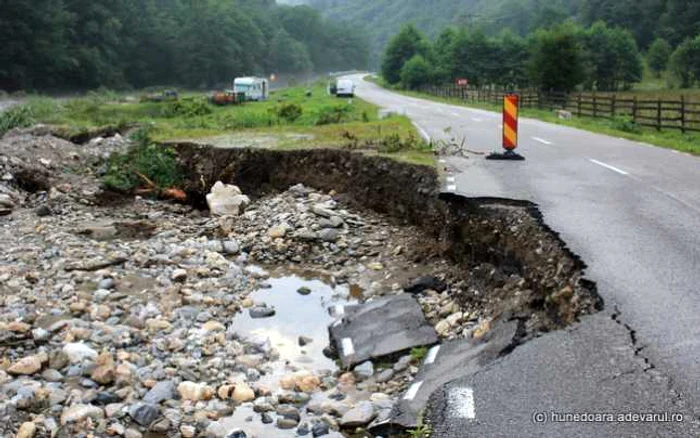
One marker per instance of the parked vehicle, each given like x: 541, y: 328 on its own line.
x: 227, y: 97
x: 256, y: 89
x: 345, y: 88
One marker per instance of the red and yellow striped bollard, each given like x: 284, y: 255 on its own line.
x: 510, y: 122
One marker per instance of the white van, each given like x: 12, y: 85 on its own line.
x: 254, y: 88
x: 345, y: 88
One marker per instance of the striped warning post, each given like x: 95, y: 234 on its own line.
x: 510, y: 122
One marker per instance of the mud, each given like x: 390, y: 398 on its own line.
x: 506, y: 259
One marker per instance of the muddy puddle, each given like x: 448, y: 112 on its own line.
x: 301, y: 301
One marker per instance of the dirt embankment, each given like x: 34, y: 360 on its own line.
x: 509, y: 261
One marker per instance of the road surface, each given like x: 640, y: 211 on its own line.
x: 632, y: 212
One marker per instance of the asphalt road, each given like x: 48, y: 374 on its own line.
x: 632, y: 212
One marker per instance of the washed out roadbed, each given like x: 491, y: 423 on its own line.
x: 152, y: 318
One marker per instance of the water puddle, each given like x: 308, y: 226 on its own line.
x: 297, y: 314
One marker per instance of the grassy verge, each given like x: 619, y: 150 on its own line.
x: 620, y: 127
x: 291, y: 118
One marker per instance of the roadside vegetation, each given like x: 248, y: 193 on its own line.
x: 292, y: 118
x: 618, y: 127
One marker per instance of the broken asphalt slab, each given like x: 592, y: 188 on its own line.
x: 589, y: 368
x: 380, y: 328
x: 442, y: 364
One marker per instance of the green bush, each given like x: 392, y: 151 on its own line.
x: 187, y: 108
x: 290, y: 112
x: 20, y: 116
x: 394, y: 143
x: 125, y: 172
x: 625, y: 124
x: 332, y: 115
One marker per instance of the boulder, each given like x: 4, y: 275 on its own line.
x: 226, y: 200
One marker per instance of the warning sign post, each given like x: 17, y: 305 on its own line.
x: 510, y: 130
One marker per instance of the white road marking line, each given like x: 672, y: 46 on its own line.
x: 422, y: 132
x: 542, y: 140
x: 455, y: 115
x: 442, y: 160
x: 348, y: 348
x: 607, y: 166
x: 432, y: 355
x: 339, y: 309
x: 412, y: 391
x: 452, y: 188
x: 450, y: 179
x: 460, y: 403
x: 476, y: 119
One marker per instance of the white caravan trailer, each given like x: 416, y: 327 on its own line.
x: 254, y: 88
x: 345, y: 88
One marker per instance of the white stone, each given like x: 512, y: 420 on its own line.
x: 226, y: 200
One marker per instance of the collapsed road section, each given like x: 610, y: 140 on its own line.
x: 148, y: 318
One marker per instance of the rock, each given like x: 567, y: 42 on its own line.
x: 320, y: 429
x: 19, y: 327
x: 226, y: 200
x: 179, y: 276
x: 105, y: 372
x: 132, y: 433
x: 188, y: 431
x: 161, y: 391
x: 51, y: 375
x: 308, y: 384
x: 365, y: 369
x: 303, y: 430
x: 25, y: 366
x: 213, y: 326
x: 78, y: 413
x: 289, y: 412
x: 564, y: 115
x: 305, y: 235
x: 304, y: 340
x: 261, y: 312
x: 266, y: 418
x: 286, y: 423
x: 107, y: 284
x: 230, y: 247
x: 423, y: 283
x: 385, y: 376
x: 195, y: 391
x: 359, y: 416
x: 77, y: 352
x: 243, y: 393
x: 454, y: 319
x: 26, y: 430
x: 144, y: 413
x: 443, y: 327
x: 304, y: 290
x: 6, y: 204
x: 278, y: 231
x: 328, y: 234
x: 236, y: 433
x: 403, y: 363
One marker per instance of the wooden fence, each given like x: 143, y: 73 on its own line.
x: 660, y: 114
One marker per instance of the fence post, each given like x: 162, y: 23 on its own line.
x: 634, y: 110
x: 658, y: 114
x: 595, y: 106
x: 683, y: 114
x: 578, y: 104
x: 612, y: 107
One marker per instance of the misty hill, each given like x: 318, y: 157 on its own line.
x: 380, y: 19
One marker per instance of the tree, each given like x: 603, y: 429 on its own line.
x: 614, y: 58
x: 416, y: 72
x: 658, y: 55
x: 556, y: 58
x: 685, y: 62
x: 474, y: 57
x: 404, y: 46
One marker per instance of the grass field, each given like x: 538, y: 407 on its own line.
x: 289, y: 119
x: 689, y: 143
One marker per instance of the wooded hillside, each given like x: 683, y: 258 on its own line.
x: 83, y: 44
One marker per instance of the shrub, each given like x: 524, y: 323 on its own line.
x: 290, y: 112
x: 20, y: 116
x: 187, y: 108
x: 158, y: 164
x: 625, y: 124
x: 333, y: 115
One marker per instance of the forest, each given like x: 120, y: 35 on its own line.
x: 86, y: 44
x: 647, y: 20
